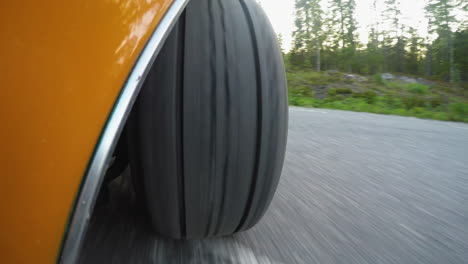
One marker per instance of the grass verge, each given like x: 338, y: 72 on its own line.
x: 377, y: 96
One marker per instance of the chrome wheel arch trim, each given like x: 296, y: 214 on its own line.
x: 94, y: 175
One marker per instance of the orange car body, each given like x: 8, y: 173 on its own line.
x: 63, y: 64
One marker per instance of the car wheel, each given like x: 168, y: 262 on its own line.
x: 207, y: 133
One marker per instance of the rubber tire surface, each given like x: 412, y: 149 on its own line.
x: 207, y: 134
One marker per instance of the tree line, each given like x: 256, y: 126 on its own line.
x: 326, y: 37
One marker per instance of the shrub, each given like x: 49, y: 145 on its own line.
x: 304, y: 101
x: 344, y: 91
x: 311, y: 75
x: 333, y: 98
x: 369, y: 96
x: 417, y: 110
x: 436, y: 102
x: 417, y: 88
x: 392, y: 101
x: 293, y: 100
x: 394, y: 97
x: 303, y: 91
x: 400, y: 111
x: 459, y: 109
x: 395, y: 85
x: 378, y: 79
x: 337, y: 91
x: 458, y: 112
x: 338, y: 97
x: 331, y: 92
x: 413, y: 101
x: 440, y: 116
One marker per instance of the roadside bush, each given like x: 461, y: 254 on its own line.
x: 293, y: 100
x: 458, y: 112
x: 396, y: 85
x: 344, y: 91
x: 413, y: 101
x: 312, y: 75
x: 378, y: 96
x: 440, y: 116
x: 334, y: 98
x: 301, y: 101
x: 392, y: 101
x: 436, y: 102
x: 331, y: 92
x: 378, y: 79
x: 459, y: 108
x: 417, y: 88
x: 339, y: 91
x: 417, y: 110
x: 369, y: 96
x: 301, y: 91
x: 400, y: 111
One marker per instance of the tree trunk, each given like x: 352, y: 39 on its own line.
x: 451, y: 58
x: 308, y: 40
x: 450, y: 42
x: 401, y: 55
x: 343, y: 40
x: 317, y: 58
x: 429, y: 60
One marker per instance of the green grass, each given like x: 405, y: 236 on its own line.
x: 378, y: 96
x: 417, y: 88
x: 337, y: 91
x: 383, y: 105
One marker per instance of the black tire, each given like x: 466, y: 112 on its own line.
x: 208, y: 130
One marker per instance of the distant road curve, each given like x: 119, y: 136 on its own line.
x: 356, y: 188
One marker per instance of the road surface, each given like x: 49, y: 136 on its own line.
x: 356, y: 188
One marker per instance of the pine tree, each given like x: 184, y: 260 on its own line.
x: 299, y: 35
x: 344, y: 24
x: 280, y: 42
x: 394, y: 40
x: 428, y: 60
x: 374, y: 53
x: 441, y: 17
x: 414, y: 53
x: 351, y: 33
x: 309, y: 34
x: 317, y: 30
x: 297, y: 54
x: 338, y: 11
x: 461, y: 53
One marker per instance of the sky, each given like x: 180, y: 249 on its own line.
x: 281, y: 14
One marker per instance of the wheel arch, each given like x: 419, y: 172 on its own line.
x: 93, y: 178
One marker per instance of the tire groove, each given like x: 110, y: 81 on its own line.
x: 259, y: 116
x: 180, y: 136
x: 213, y: 122
x: 227, y: 123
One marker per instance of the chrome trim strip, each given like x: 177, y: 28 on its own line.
x: 94, y: 176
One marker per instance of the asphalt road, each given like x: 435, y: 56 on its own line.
x: 356, y: 188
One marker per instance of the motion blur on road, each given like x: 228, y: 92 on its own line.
x: 355, y: 188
